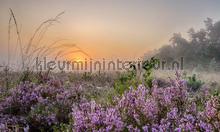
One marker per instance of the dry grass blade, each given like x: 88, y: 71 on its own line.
x: 9, y: 37
x: 41, y: 36
x: 48, y: 50
x: 60, y: 52
x: 47, y: 22
x: 51, y: 50
x: 71, y: 52
x: 18, y: 36
x: 50, y: 47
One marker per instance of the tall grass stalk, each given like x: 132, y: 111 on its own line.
x: 34, y: 47
x: 18, y: 36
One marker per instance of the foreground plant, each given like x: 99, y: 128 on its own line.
x: 52, y: 107
x: 39, y: 107
x: 158, y: 109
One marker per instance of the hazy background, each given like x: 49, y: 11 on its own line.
x: 109, y: 29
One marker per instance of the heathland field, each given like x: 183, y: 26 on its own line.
x: 158, y: 101
x: 174, y: 88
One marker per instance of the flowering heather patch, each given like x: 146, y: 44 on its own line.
x: 156, y: 109
x: 7, y: 122
x: 38, y: 106
x: 54, y: 107
x: 92, y: 117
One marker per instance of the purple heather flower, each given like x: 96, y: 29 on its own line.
x: 172, y: 114
x: 145, y: 128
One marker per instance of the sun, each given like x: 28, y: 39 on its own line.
x: 79, y: 59
x: 76, y: 58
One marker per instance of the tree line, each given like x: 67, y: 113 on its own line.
x: 200, y: 51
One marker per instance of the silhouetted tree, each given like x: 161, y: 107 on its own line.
x: 200, y: 49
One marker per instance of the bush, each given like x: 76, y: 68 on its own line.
x: 125, y: 81
x: 129, y: 79
x: 148, y: 66
x: 193, y: 83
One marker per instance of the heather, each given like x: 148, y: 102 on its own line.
x: 82, y: 104
x: 39, y: 106
x: 169, y: 108
x: 100, y: 72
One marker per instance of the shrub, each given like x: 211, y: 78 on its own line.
x: 148, y: 66
x: 125, y: 81
x: 193, y: 83
x: 130, y: 78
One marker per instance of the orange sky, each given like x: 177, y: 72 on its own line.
x: 107, y: 29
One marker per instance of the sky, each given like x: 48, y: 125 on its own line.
x: 107, y: 28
